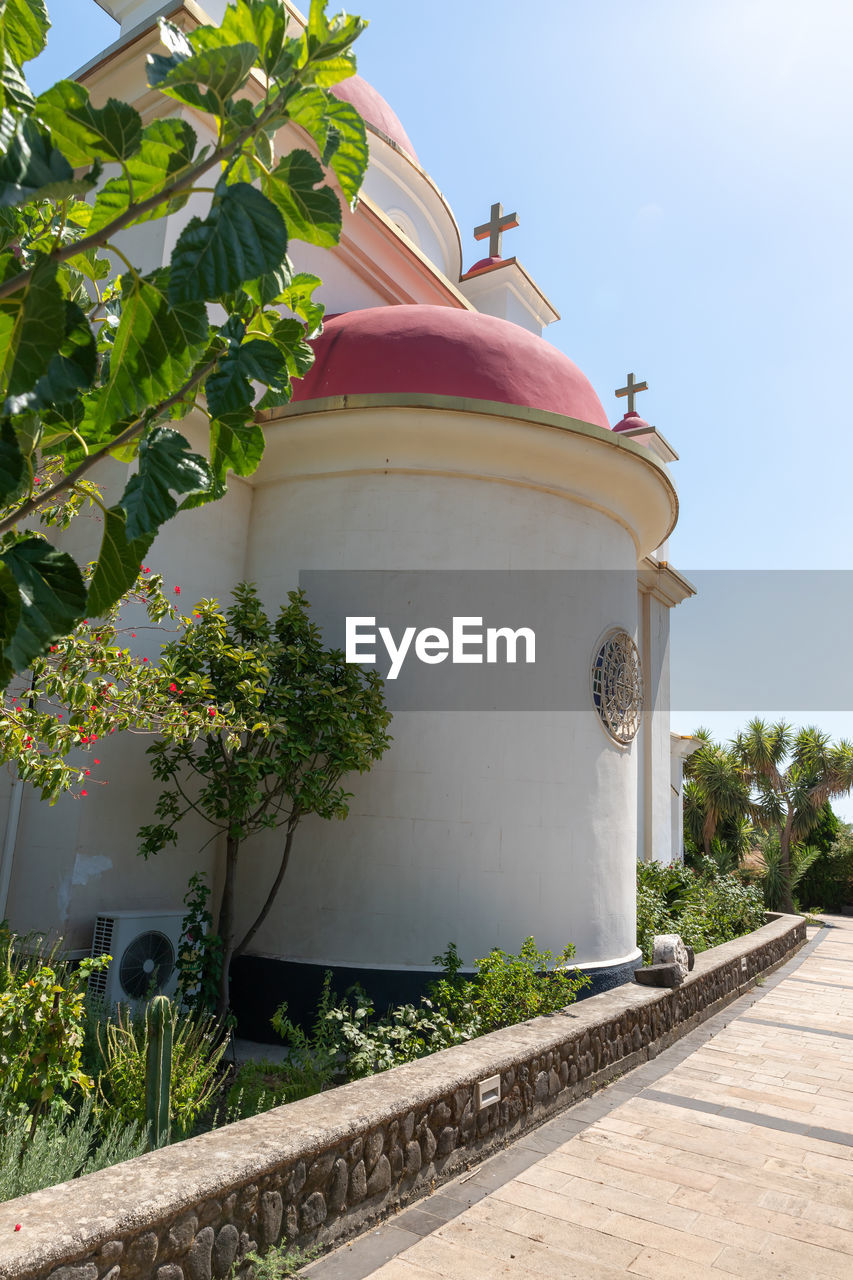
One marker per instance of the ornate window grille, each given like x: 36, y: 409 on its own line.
x: 617, y: 686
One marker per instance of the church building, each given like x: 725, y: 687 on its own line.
x: 438, y: 432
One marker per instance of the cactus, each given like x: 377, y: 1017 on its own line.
x: 158, y: 1071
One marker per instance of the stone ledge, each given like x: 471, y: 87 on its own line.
x: 322, y: 1168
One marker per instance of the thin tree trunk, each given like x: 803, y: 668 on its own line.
x: 785, y: 864
x: 276, y: 885
x: 226, y: 921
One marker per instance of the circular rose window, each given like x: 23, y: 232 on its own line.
x: 617, y: 686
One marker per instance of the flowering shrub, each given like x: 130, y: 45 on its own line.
x: 41, y: 1024
x: 705, y: 907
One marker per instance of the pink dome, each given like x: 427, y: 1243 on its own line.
x: 445, y: 352
x: 631, y: 421
x: 375, y: 111
x: 483, y: 263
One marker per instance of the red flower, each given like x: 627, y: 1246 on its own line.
x: 177, y: 591
x: 133, y: 635
x: 173, y: 688
x: 97, y: 762
x: 144, y: 659
x: 86, y: 771
x: 17, y: 1226
x: 84, y: 792
x: 211, y: 711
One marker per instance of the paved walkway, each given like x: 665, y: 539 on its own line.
x: 731, y: 1154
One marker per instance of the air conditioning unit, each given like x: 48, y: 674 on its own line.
x: 144, y: 949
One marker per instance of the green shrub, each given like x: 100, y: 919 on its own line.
x: 771, y: 878
x: 705, y: 906
x: 42, y: 1022
x: 59, y: 1146
x: 829, y: 881
x: 348, y: 1040
x: 512, y: 988
x: 259, y: 1086
x: 198, y: 1045
x: 278, y: 1263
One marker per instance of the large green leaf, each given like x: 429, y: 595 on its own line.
x: 298, y: 297
x: 13, y: 466
x: 118, y: 563
x: 328, y: 38
x: 167, y: 148
x: 222, y: 70
x: 52, y: 594
x: 10, y: 613
x: 154, y: 351
x: 15, y: 93
x: 242, y: 237
x: 260, y: 24
x: 229, y: 390
x: 70, y: 371
x: 32, y: 324
x: 31, y: 169
x: 23, y: 28
x: 339, y: 133
x: 166, y: 465
x: 235, y: 448
x: 84, y: 132
x: 311, y: 214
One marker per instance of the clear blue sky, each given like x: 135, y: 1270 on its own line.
x: 682, y: 176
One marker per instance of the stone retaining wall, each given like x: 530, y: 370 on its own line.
x: 323, y: 1168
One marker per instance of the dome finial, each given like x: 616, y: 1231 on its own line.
x: 631, y: 391
x: 498, y: 223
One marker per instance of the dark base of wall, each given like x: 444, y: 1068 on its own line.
x: 259, y: 985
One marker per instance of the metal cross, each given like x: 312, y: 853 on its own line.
x: 498, y: 223
x: 631, y: 390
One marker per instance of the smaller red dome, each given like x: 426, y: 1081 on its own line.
x: 632, y: 421
x: 375, y: 111
x: 482, y: 264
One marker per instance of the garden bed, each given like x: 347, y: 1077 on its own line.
x: 323, y: 1168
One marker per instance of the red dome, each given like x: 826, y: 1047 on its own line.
x: 374, y: 110
x: 483, y: 263
x: 445, y: 352
x: 631, y: 421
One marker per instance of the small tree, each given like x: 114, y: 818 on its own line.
x: 288, y: 719
x: 792, y: 775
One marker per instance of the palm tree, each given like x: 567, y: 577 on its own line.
x: 791, y: 776
x: 718, y: 793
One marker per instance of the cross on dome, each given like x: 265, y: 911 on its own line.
x: 631, y: 390
x: 498, y: 223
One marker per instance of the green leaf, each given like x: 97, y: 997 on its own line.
x: 118, y: 563
x: 166, y: 465
x: 242, y: 237
x: 13, y: 467
x: 166, y: 149
x: 71, y: 370
x: 23, y: 28
x: 339, y: 133
x: 298, y: 297
x: 237, y: 448
x: 328, y: 38
x: 229, y: 390
x: 10, y: 613
x: 154, y: 351
x: 311, y: 214
x: 84, y: 132
x: 52, y: 594
x: 31, y: 169
x: 15, y: 93
x: 222, y: 70
x: 259, y: 23
x: 32, y: 322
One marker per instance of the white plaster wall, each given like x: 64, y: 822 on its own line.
x: 478, y: 827
x: 654, y: 794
